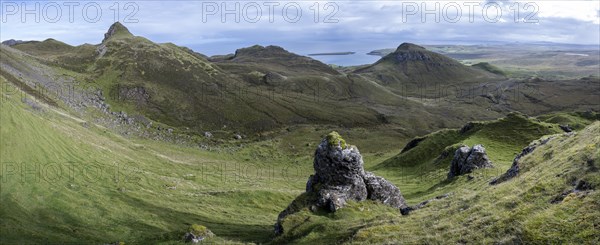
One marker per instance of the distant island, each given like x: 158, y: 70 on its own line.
x: 334, y: 53
x: 381, y: 52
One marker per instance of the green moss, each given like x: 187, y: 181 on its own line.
x: 199, y: 230
x: 335, y: 139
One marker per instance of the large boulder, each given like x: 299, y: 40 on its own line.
x: 197, y: 233
x: 468, y: 159
x: 379, y: 189
x: 338, y: 174
x: 340, y: 177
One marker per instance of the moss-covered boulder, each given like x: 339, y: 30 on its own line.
x: 340, y: 177
x: 197, y: 233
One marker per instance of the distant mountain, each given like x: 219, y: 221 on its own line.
x: 258, y: 88
x: 176, y: 86
x: 117, y: 30
x: 272, y: 59
x: 414, y: 65
x: 12, y: 42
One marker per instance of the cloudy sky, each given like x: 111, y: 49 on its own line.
x: 219, y: 27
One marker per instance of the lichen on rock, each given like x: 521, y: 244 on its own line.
x: 197, y: 233
x: 335, y: 139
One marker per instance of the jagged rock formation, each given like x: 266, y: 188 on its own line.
x: 514, y: 168
x: 12, y: 42
x: 340, y: 177
x: 467, y: 159
x: 116, y: 29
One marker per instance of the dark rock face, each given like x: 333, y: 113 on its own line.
x: 467, y: 127
x: 340, y: 177
x: 191, y: 238
x: 411, y: 56
x: 566, y: 128
x: 272, y: 78
x: 514, y: 168
x: 413, y: 143
x: 381, y: 190
x: 12, y: 42
x: 138, y: 95
x: 115, y: 28
x: 468, y: 159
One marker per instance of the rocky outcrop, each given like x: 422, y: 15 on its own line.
x: 566, y: 128
x: 12, y: 42
x: 468, y: 159
x: 197, y: 233
x: 514, y: 168
x: 116, y: 29
x: 379, y: 189
x: 340, y: 177
x: 412, y: 144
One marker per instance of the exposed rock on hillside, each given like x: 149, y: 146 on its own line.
x: 197, y: 233
x: 12, y: 42
x: 340, y: 177
x: 116, y: 29
x: 514, y: 168
x: 413, y: 143
x: 467, y: 159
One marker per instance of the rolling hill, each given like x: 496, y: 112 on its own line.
x: 134, y: 141
x: 259, y: 89
x: 553, y: 199
x: 414, y: 65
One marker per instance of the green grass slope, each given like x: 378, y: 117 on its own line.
x: 540, y: 206
x: 53, y: 52
x: 423, y: 168
x: 66, y: 181
x: 489, y: 68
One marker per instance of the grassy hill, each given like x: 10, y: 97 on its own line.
x: 412, y: 65
x: 542, y: 205
x: 489, y: 68
x: 105, y: 143
x: 260, y: 89
x: 65, y: 179
x: 178, y: 87
x: 273, y: 59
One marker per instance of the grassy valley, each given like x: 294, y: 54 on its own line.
x: 132, y: 141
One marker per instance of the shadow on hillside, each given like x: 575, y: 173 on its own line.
x: 431, y: 190
x: 62, y: 225
x: 180, y: 221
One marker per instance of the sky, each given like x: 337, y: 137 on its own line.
x: 220, y: 27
